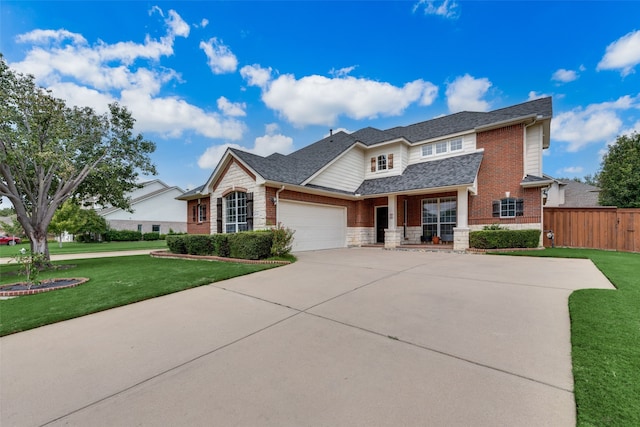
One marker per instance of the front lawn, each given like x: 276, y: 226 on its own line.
x: 77, y: 248
x: 605, y: 339
x: 113, y: 282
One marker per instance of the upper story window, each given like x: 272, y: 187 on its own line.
x: 442, y: 147
x: 236, y: 212
x: 382, y: 162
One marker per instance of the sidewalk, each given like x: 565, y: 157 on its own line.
x: 66, y: 257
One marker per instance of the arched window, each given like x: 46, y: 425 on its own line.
x: 236, y: 212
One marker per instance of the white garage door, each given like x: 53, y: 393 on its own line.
x: 316, y: 226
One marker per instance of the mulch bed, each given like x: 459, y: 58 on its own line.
x: 167, y: 254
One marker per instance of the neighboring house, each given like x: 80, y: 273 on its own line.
x: 402, y: 185
x: 155, y: 209
x: 572, y: 194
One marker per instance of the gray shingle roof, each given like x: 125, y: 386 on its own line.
x: 300, y: 165
x: 451, y: 171
x: 579, y: 194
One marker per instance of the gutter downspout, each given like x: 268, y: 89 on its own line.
x: 278, y: 204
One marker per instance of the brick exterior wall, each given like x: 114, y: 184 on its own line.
x: 195, y: 227
x: 502, y: 170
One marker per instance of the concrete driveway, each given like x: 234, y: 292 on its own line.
x: 349, y: 337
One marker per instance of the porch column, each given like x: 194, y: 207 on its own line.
x: 461, y: 231
x: 392, y: 235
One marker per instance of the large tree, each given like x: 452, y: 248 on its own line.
x: 50, y: 152
x: 619, y: 177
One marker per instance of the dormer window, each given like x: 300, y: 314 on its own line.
x: 442, y: 147
x: 382, y: 162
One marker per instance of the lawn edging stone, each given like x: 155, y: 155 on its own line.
x: 167, y: 254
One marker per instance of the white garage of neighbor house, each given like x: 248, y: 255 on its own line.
x: 155, y: 209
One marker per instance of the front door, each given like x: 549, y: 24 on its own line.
x: 382, y: 222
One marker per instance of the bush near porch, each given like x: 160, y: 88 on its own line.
x: 504, y: 239
x: 246, y: 245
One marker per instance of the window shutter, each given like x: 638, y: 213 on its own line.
x: 390, y: 161
x: 373, y: 164
x: 219, y: 215
x: 194, y: 210
x: 496, y: 208
x: 204, y: 212
x: 250, y: 211
x: 520, y: 207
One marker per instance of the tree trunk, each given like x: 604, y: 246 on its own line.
x: 39, y: 244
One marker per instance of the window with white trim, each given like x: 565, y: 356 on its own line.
x: 202, y: 212
x: 382, y: 162
x: 442, y: 147
x: 236, y: 212
x: 508, y: 207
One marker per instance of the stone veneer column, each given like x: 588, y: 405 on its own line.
x: 392, y: 238
x: 461, y: 232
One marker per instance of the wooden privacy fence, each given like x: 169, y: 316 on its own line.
x: 599, y: 228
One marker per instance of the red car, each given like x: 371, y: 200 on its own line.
x: 9, y: 240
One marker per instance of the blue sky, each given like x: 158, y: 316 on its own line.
x: 271, y: 76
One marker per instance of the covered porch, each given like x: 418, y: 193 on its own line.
x: 430, y: 220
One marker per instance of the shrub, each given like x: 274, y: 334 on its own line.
x: 494, y: 227
x: 199, y: 244
x: 122, y: 236
x: 221, y: 245
x: 282, y: 241
x: 177, y: 244
x: 502, y: 239
x: 250, y: 245
x: 151, y: 236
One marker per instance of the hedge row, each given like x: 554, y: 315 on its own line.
x: 502, y: 239
x: 245, y: 245
x: 130, y: 236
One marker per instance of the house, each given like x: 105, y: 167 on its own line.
x: 155, y: 209
x: 442, y: 177
x: 572, y: 194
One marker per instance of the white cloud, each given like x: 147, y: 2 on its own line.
x: 46, y: 36
x: 595, y: 123
x: 204, y: 23
x: 623, y: 54
x: 564, y: 76
x: 342, y: 72
x: 177, y: 25
x: 465, y: 94
x: 234, y: 109
x: 219, y: 57
x: 444, y: 8
x: 571, y: 170
x: 256, y: 75
x: 320, y: 100
x: 271, y: 142
x: 98, y: 74
x: 535, y: 95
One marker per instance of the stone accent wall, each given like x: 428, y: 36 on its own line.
x: 236, y: 177
x: 358, y: 236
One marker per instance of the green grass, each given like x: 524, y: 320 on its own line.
x: 113, y: 282
x: 605, y: 339
x: 77, y: 248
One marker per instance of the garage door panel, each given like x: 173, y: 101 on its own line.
x: 316, y: 226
